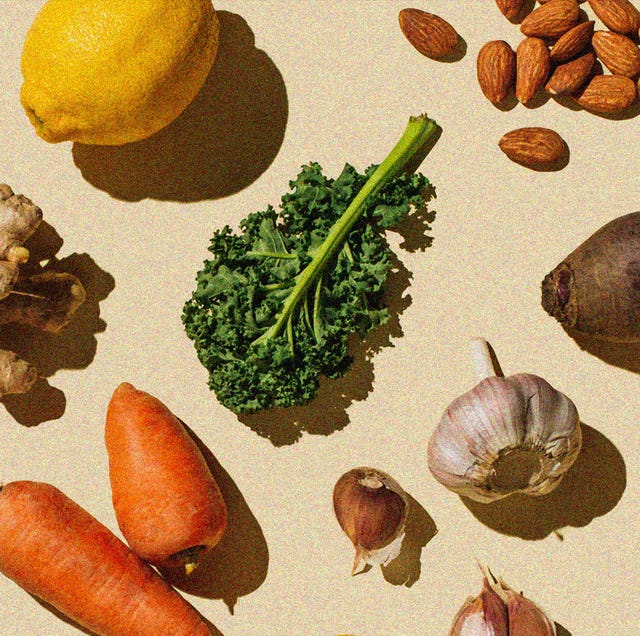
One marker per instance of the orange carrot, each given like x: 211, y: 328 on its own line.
x: 167, y: 503
x: 54, y: 549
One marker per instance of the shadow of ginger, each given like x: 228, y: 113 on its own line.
x: 74, y: 347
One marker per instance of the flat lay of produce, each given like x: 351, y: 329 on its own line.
x: 384, y: 383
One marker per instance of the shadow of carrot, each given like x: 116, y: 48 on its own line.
x: 238, y: 564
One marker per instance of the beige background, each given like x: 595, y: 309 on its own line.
x: 336, y: 82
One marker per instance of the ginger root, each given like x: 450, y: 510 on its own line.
x: 46, y: 300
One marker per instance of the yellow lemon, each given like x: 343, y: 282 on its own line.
x: 114, y: 71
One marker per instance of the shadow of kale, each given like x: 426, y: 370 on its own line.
x: 327, y: 412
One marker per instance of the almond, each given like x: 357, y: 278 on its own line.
x: 607, y: 94
x: 496, y: 69
x: 618, y: 53
x: 552, y: 19
x: 573, y: 42
x: 534, y: 147
x: 533, y: 65
x: 511, y: 9
x: 567, y: 78
x: 618, y: 15
x: 430, y: 34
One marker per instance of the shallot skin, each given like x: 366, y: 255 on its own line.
x: 595, y: 290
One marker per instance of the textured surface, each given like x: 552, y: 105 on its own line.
x: 351, y: 81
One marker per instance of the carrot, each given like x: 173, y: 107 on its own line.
x: 55, y: 550
x: 167, y: 502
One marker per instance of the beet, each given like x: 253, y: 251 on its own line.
x: 596, y: 289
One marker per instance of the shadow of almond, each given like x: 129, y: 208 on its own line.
x: 74, y: 347
x: 238, y: 564
x: 458, y: 52
x: 420, y: 528
x: 591, y: 488
x: 225, y: 139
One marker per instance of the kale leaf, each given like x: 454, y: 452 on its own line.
x: 274, y: 308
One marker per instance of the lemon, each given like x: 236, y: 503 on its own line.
x: 115, y: 71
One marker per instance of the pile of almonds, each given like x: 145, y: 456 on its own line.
x: 561, y: 53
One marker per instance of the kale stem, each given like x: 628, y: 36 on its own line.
x: 316, y: 309
x: 275, y: 286
x: 418, y: 131
x: 257, y: 254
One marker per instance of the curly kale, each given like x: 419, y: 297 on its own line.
x: 274, y: 308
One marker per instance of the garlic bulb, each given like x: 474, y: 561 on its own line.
x: 371, y: 508
x: 500, y: 611
x: 484, y: 615
x: 507, y: 435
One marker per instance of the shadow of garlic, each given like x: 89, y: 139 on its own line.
x: 371, y: 508
x: 500, y: 611
x: 507, y: 435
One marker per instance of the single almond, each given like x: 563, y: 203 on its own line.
x: 533, y: 66
x: 573, y: 42
x: 430, y: 34
x: 552, y: 19
x: 511, y: 9
x: 618, y: 53
x: 496, y: 70
x: 618, y: 15
x: 607, y: 94
x: 567, y: 78
x: 534, y: 147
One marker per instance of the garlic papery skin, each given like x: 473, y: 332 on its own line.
x: 500, y: 611
x: 371, y: 508
x: 484, y: 615
x: 525, y: 617
x: 507, y: 435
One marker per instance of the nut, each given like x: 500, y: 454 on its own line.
x: 618, y: 53
x: 618, y: 15
x: 607, y: 94
x: 428, y: 33
x: 534, y: 147
x: 496, y: 70
x: 511, y: 9
x: 567, y: 78
x: 533, y: 65
x: 573, y: 42
x: 552, y: 19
